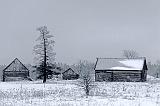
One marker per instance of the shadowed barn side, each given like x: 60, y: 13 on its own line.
x: 15, y: 70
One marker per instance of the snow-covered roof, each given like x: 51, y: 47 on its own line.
x: 119, y: 64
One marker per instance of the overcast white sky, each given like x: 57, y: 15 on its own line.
x: 83, y: 29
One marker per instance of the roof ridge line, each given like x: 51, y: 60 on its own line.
x: 121, y: 58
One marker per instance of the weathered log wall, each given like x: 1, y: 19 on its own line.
x: 125, y: 76
x: 16, y: 74
x: 70, y: 77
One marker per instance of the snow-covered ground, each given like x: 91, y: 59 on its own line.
x: 67, y: 93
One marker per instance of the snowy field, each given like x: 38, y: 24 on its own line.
x: 67, y: 93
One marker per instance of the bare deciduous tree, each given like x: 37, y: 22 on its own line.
x: 86, y: 83
x: 44, y: 51
x: 84, y: 66
x: 130, y: 54
x: 86, y: 78
x: 80, y: 67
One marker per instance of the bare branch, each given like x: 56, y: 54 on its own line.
x: 130, y: 54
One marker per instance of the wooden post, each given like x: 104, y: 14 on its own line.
x: 3, y: 76
x: 112, y: 76
x: 95, y: 76
x: 142, y: 76
x: 157, y: 76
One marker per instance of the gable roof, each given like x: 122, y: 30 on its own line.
x: 120, y: 64
x: 68, y: 70
x: 18, y: 61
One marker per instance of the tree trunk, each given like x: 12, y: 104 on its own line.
x: 3, y: 78
x: 87, y: 90
x: 44, y: 77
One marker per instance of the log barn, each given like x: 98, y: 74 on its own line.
x: 15, y: 70
x: 69, y: 74
x: 121, y: 69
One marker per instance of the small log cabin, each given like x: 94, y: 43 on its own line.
x: 15, y: 70
x: 121, y: 69
x: 69, y: 74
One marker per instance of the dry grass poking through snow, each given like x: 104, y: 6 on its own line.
x: 67, y: 93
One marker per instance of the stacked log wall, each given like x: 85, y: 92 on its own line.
x: 119, y: 76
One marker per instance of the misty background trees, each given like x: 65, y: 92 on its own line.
x: 45, y: 60
x: 83, y: 66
